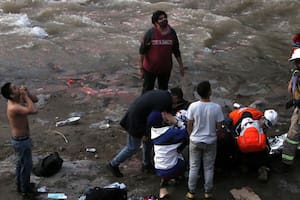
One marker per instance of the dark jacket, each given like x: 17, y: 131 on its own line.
x: 135, y: 119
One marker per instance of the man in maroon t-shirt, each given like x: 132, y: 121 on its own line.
x: 157, y: 47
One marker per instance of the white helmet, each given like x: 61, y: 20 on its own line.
x: 295, y: 55
x: 271, y: 117
x: 245, y: 122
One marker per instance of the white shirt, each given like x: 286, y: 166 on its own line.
x: 205, y: 116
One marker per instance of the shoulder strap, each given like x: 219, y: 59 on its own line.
x: 146, y: 42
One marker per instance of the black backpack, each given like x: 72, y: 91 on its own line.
x: 48, y: 166
x: 98, y: 193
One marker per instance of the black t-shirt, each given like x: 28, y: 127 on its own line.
x: 135, y: 119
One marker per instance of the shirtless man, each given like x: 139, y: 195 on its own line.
x: 20, y: 104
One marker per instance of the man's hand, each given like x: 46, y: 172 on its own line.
x: 141, y: 73
x: 181, y: 69
x: 23, y: 91
x: 145, y: 138
x: 23, y: 87
x: 169, y: 118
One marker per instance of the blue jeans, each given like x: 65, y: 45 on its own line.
x: 206, y: 153
x: 23, y: 163
x: 132, y: 146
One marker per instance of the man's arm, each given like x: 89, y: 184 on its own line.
x: 141, y: 69
x: 177, y: 53
x: 33, y: 97
x: 179, y: 61
x: 219, y: 130
x: 290, y: 86
x: 144, y: 48
x: 190, y: 125
x: 29, y: 107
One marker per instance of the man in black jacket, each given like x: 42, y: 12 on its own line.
x: 135, y: 123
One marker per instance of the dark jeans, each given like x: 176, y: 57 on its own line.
x: 23, y: 163
x: 149, y: 81
x: 255, y: 160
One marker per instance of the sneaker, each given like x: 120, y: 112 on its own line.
x: 31, y: 188
x: 208, y: 195
x: 190, y: 196
x: 29, y: 195
x: 114, y: 170
x: 263, y: 174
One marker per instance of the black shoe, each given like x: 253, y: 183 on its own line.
x: 149, y: 169
x: 114, y: 170
x: 29, y: 197
x: 19, y: 189
x: 31, y: 189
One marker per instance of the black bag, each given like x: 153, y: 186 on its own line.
x: 48, y: 166
x: 98, y: 193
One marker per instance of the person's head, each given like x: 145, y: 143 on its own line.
x: 177, y: 92
x: 204, y: 89
x: 270, y: 118
x: 155, y: 119
x: 10, y: 91
x: 295, y: 58
x: 160, y: 18
x: 246, y: 121
x: 6, y: 91
x: 177, y: 95
x: 250, y: 125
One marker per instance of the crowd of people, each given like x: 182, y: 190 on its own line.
x: 151, y: 121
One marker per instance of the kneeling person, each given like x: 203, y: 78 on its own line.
x: 167, y: 134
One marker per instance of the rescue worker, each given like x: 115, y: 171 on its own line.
x: 250, y: 126
x: 293, y: 135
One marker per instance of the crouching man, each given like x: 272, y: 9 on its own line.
x: 167, y: 134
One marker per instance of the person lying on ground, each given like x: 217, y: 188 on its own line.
x: 250, y: 126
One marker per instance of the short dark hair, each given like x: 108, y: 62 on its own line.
x: 6, y: 91
x: 203, y: 89
x: 156, y: 15
x: 177, y: 91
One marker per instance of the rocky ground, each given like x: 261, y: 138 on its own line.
x: 83, y: 169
